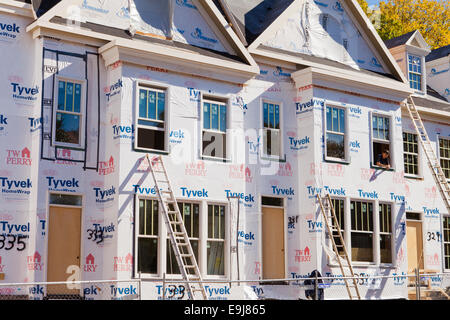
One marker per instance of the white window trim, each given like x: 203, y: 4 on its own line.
x: 443, y: 246
x: 419, y: 157
x: 82, y: 112
x: 348, y: 226
x: 281, y: 130
x: 137, y: 273
x: 438, y: 149
x: 392, y: 152
x: 218, y: 99
x: 379, y: 233
x: 423, y: 75
x: 345, y: 107
x: 158, y: 87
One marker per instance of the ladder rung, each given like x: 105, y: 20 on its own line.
x: 191, y: 266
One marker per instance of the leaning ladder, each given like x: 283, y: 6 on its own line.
x: 178, y: 235
x: 432, y: 160
x: 333, y: 237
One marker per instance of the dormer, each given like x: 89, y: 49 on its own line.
x: 410, y: 50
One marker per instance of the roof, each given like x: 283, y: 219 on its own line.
x: 254, y: 16
x: 126, y: 35
x: 432, y: 103
x: 326, y: 62
x: 434, y: 93
x: 438, y: 53
x: 398, y: 41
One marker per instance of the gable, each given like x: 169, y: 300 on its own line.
x: 177, y: 20
x: 322, y: 28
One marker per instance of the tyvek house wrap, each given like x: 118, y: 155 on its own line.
x: 323, y: 29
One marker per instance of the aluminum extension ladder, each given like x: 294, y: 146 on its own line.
x: 178, y: 235
x: 432, y: 160
x: 355, y: 295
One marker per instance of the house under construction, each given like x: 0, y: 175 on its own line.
x: 265, y: 117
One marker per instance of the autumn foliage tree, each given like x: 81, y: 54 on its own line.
x: 397, y: 17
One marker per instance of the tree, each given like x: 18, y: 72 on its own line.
x: 430, y: 17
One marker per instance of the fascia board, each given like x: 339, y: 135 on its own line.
x: 355, y: 79
x: 176, y: 56
x: 16, y: 8
x: 228, y: 32
x: 272, y: 28
x: 416, y: 50
x: 373, y: 38
x: 437, y: 114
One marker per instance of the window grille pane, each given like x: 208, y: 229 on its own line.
x: 277, y: 116
x: 223, y: 118
x: 142, y: 103
x: 61, y: 95
x: 151, y: 105
x: 161, y: 105
x: 69, y: 97
x: 206, y: 116
x: 266, y: 114
x: 214, y: 117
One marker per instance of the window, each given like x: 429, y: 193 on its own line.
x: 271, y: 129
x: 446, y: 230
x: 380, y: 138
x: 69, y: 120
x: 190, y: 213
x: 385, y: 233
x: 444, y: 156
x: 216, y: 240
x: 415, y: 72
x: 410, y: 153
x: 335, y: 133
x: 65, y: 199
x: 338, y: 206
x: 151, y: 124
x: 147, y: 238
x: 214, y: 129
x: 361, y: 231
x: 271, y: 201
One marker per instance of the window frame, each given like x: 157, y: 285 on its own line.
x: 198, y: 239
x: 391, y: 233
x: 444, y: 243
x: 81, y: 114
x: 439, y: 138
x: 280, y: 156
x: 220, y: 100
x: 157, y: 87
x: 343, y: 227
x: 224, y: 240
x: 139, y: 274
x: 373, y: 232
x: 419, y: 156
x: 422, y: 74
x: 382, y: 141
x: 346, y: 159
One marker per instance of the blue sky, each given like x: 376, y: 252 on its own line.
x: 371, y: 2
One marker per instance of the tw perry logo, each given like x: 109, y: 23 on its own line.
x: 34, y: 262
x: 336, y: 170
x: 113, y: 90
x: 106, y: 167
x: 238, y: 172
x: 64, y: 156
x: 90, y: 265
x: 302, y: 255
x: 123, y: 263
x: 19, y: 157
x: 284, y: 170
x: 195, y: 169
